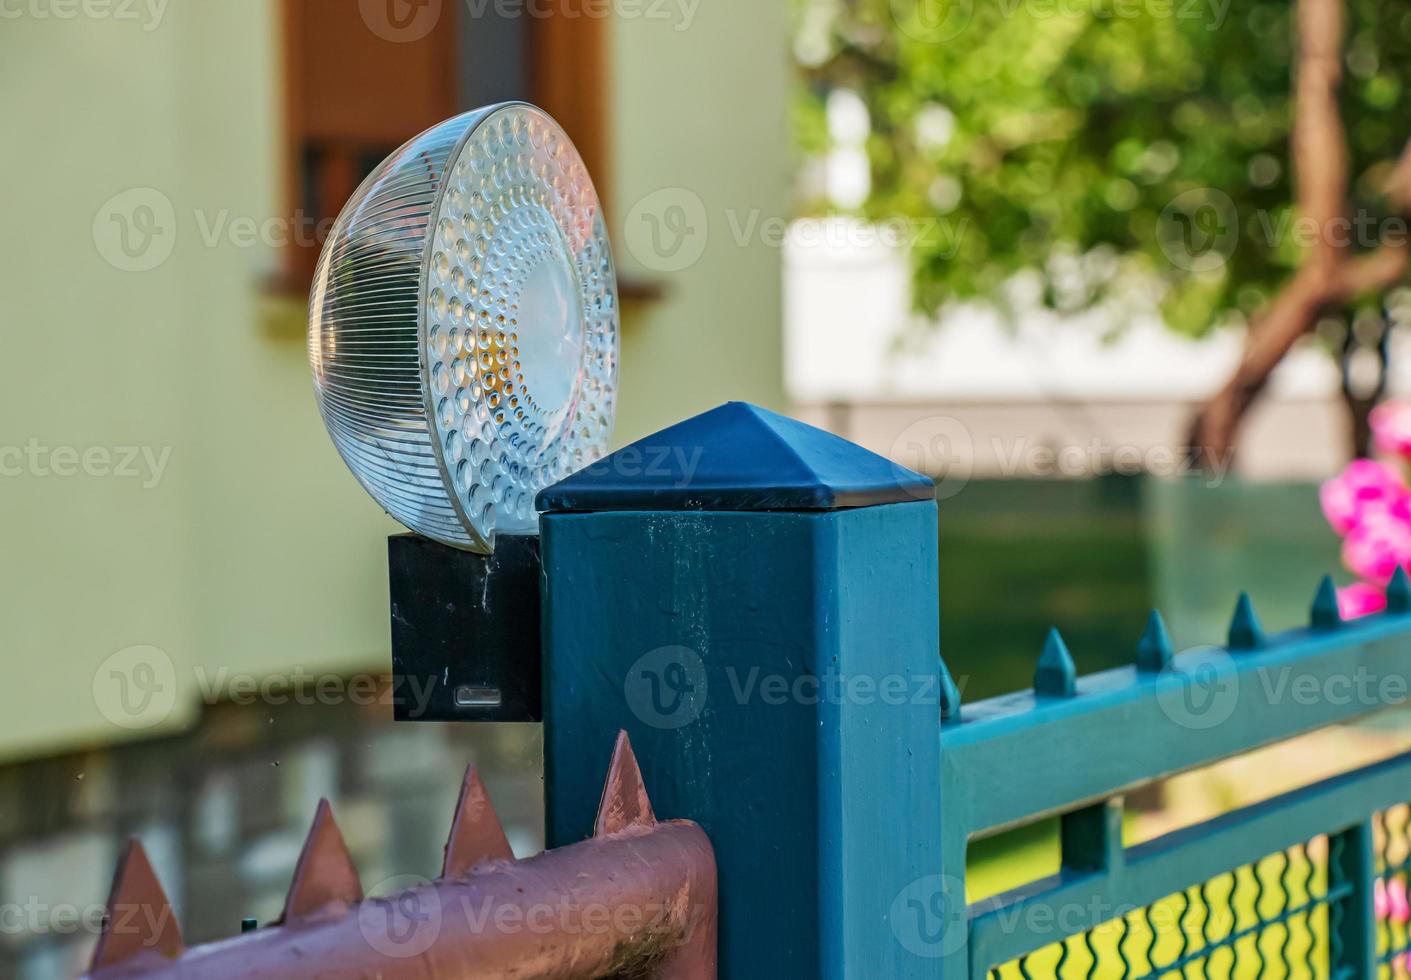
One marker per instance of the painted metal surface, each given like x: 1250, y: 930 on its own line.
x: 779, y: 673
x: 1278, y: 888
x: 1014, y: 754
x: 638, y: 899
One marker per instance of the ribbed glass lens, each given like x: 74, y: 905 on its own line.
x: 463, y: 325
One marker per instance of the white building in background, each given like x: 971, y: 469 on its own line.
x: 1046, y: 395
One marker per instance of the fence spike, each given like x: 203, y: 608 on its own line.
x: 1154, y: 651
x: 1056, y: 675
x: 1399, y: 591
x: 139, y: 918
x: 624, y: 803
x: 950, y: 695
x: 1324, y: 614
x: 476, y: 833
x: 1245, y: 631
x: 325, y: 873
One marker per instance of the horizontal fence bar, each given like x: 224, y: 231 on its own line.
x: 1015, y: 759
x: 1018, y: 922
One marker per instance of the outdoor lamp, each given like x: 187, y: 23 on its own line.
x: 463, y: 336
x: 463, y: 325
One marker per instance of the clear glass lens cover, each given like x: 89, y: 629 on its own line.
x: 463, y: 325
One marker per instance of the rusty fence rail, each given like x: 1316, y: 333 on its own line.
x: 637, y: 899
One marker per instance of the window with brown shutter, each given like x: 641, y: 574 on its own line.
x: 363, y: 76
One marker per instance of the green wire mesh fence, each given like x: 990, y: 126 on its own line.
x: 1279, y: 917
x: 1266, y: 919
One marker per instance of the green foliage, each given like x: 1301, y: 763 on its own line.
x: 1122, y: 129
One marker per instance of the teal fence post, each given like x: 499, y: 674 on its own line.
x: 755, y: 602
x: 1353, y: 948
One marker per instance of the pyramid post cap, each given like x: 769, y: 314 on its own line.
x: 737, y: 457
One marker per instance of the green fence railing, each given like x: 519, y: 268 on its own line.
x: 1294, y: 886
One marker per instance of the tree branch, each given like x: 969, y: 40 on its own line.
x: 1328, y: 277
x: 1319, y: 142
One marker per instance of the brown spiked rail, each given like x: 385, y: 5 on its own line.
x: 637, y: 899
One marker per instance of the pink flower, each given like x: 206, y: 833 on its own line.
x: 1391, y: 427
x: 1360, y: 599
x: 1398, y: 910
x: 1378, y: 543
x: 1364, y: 488
x: 1389, y: 900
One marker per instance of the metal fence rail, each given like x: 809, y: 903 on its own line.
x: 1297, y: 885
x: 638, y: 899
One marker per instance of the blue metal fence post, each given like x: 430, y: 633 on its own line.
x: 755, y: 602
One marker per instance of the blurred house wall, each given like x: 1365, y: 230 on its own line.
x: 254, y: 550
x: 699, y: 115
